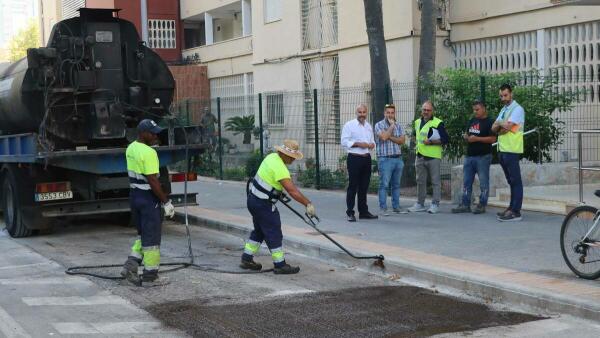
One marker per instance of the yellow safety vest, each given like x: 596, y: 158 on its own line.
x: 429, y: 150
x: 512, y: 141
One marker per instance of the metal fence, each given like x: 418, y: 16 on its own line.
x: 243, y: 129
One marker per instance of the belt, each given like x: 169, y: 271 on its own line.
x: 392, y: 156
x: 361, y: 155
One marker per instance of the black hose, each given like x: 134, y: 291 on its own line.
x: 309, y: 220
x: 76, y: 270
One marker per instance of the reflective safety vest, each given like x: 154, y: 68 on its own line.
x: 512, y: 141
x: 429, y: 150
x: 142, y: 160
x: 265, y: 184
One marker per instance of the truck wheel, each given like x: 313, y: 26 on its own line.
x: 13, y: 214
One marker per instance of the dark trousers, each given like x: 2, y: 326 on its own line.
x: 145, y: 210
x: 359, y: 176
x: 267, y: 225
x: 510, y: 165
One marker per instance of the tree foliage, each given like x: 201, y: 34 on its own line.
x: 27, y: 37
x: 454, y: 90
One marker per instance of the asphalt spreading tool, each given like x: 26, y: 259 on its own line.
x: 314, y: 220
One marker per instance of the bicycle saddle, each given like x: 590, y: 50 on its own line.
x: 597, y: 193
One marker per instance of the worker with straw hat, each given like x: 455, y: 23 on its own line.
x: 264, y: 190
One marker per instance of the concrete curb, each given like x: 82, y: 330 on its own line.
x: 490, y: 291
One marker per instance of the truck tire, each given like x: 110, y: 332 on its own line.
x: 13, y: 214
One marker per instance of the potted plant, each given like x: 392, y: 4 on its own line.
x: 242, y: 125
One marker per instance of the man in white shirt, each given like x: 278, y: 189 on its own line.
x: 357, y: 140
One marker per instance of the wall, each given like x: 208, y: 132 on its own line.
x: 191, y: 85
x: 191, y: 82
x: 168, y: 10
x: 485, y: 18
x: 194, y: 7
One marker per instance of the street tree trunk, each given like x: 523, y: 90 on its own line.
x: 380, y: 75
x: 426, y: 47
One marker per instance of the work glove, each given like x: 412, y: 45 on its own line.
x: 169, y: 209
x: 310, y: 210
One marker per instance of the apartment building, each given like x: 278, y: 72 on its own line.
x: 558, y: 37
x: 315, y: 43
x: 277, y: 47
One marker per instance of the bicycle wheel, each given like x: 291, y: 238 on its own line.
x: 583, y: 258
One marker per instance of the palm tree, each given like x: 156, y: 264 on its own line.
x: 380, y: 74
x: 241, y: 125
x: 426, y: 46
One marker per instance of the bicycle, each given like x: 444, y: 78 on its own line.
x: 580, y: 241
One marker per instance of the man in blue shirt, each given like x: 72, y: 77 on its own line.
x: 388, y: 138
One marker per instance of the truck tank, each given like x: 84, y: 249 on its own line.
x: 90, y: 86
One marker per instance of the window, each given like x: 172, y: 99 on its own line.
x: 70, y: 8
x: 161, y: 34
x: 272, y: 10
x: 274, y: 109
x: 319, y: 24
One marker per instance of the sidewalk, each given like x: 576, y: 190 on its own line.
x: 508, y: 262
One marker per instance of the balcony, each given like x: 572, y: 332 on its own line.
x: 217, y: 25
x: 221, y: 50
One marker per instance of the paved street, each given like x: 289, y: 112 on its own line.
x: 323, y: 300
x: 529, y: 246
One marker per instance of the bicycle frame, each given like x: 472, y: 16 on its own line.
x: 592, y: 228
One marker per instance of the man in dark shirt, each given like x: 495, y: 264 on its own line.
x: 480, y: 138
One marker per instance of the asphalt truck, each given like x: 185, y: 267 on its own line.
x: 68, y: 112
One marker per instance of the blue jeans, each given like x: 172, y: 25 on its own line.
x: 479, y: 165
x: 510, y: 165
x: 390, y: 173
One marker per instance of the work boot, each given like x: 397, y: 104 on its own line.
x: 286, y: 270
x: 479, y: 209
x: 130, y: 270
x: 151, y: 279
x: 149, y: 276
x: 250, y: 265
x: 461, y: 209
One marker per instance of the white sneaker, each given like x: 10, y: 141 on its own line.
x: 417, y: 207
x: 433, y: 209
x: 384, y: 212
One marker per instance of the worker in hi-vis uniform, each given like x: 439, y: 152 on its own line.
x: 264, y: 190
x: 146, y: 196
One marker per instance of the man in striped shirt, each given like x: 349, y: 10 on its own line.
x: 389, y: 136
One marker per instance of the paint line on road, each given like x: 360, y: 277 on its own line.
x: 9, y: 326
x: 22, y: 266
x: 281, y: 293
x: 45, y: 281
x: 113, y: 328
x: 75, y: 301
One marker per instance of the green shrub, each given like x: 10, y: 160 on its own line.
x: 453, y: 91
x: 252, y: 163
x: 234, y: 174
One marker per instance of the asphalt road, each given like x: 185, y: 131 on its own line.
x: 322, y: 300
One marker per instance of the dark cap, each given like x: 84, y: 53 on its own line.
x: 149, y: 126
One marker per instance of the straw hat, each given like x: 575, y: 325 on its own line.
x: 290, y: 148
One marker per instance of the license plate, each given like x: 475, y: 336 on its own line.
x: 53, y: 196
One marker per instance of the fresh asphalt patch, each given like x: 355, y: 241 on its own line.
x: 396, y: 311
